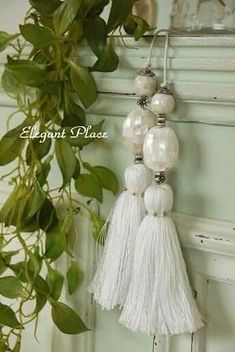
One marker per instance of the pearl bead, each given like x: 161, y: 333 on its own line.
x: 161, y: 148
x: 145, y: 85
x: 162, y: 103
x: 135, y: 127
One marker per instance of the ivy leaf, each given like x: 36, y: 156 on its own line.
x: 11, y: 144
x: 136, y: 26
x: 82, y: 140
x: 8, y: 318
x: 55, y: 242
x: 55, y: 282
x: 38, y: 149
x: 105, y: 176
x: 43, y: 171
x: 119, y: 11
x: 41, y: 288
x: 17, y: 347
x: 108, y: 61
x: 74, y: 115
x: 5, y: 39
x: 45, y: 7
x: 74, y: 277
x: 13, y: 208
x: 37, y: 198
x: 77, y: 170
x: 10, y: 287
x: 5, y: 260
x: 88, y: 186
x: 96, y: 33
x: 27, y: 72
x: 98, y: 225
x: 66, y: 319
x: 83, y: 83
x: 66, y: 159
x: 91, y: 8
x: 65, y: 15
x: 9, y: 83
x: 39, y: 37
x: 47, y: 216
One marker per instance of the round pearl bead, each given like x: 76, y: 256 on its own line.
x: 135, y: 127
x: 161, y: 148
x: 162, y: 103
x: 145, y: 85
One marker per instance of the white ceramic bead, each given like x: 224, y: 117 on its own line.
x: 162, y: 103
x: 161, y: 148
x: 145, y: 85
x: 135, y: 127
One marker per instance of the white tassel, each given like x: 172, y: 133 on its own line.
x: 160, y: 299
x: 112, y: 278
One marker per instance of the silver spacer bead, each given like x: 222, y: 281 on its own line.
x: 144, y: 102
x: 164, y: 90
x: 146, y: 72
x: 160, y: 177
x: 161, y: 120
x: 139, y: 159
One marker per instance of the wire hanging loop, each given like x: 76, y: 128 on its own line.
x: 164, y: 83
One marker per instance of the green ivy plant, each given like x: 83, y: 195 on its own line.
x: 52, y: 91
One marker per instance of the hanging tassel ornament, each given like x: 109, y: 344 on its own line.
x: 112, y: 278
x: 160, y: 299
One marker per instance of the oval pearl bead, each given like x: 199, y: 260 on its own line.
x: 161, y: 148
x: 135, y: 127
x: 145, y: 85
x: 162, y: 103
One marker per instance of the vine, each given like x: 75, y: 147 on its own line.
x: 52, y: 91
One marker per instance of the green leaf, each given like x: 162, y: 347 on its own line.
x: 66, y: 319
x: 88, y: 186
x: 55, y: 242
x: 77, y: 170
x: 106, y: 177
x: 19, y: 269
x: 45, y: 7
x: 55, y: 282
x: 65, y: 15
x: 66, y: 159
x: 41, y: 288
x: 43, y: 171
x: 83, y: 83
x: 5, y: 39
x: 13, y: 208
x: 90, y: 8
x: 39, y: 150
x: 47, y: 217
x: 81, y: 140
x: 74, y: 115
x: 8, y: 318
x: 39, y: 37
x: 34, y: 264
x: 37, y: 198
x: 17, y: 347
x: 108, y: 61
x: 27, y: 72
x: 10, y: 287
x: 10, y: 147
x: 119, y: 11
x: 74, y: 277
x: 5, y: 260
x: 98, y: 225
x: 9, y: 83
x: 96, y: 33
